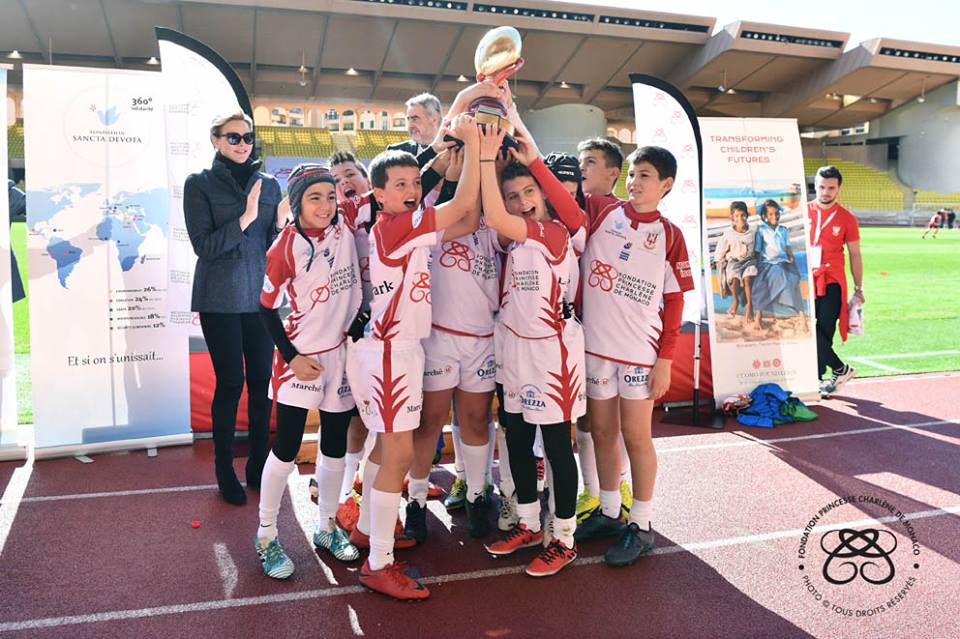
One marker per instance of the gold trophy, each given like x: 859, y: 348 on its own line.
x: 496, y: 59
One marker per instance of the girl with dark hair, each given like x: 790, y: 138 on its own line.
x: 778, y: 279
x: 232, y: 216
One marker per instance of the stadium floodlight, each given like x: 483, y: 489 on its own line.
x: 153, y: 61
x: 462, y: 78
x: 564, y: 85
x: 351, y: 71
x: 15, y: 55
x: 722, y: 88
x: 923, y: 91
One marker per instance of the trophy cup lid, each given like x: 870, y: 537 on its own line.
x: 498, y: 48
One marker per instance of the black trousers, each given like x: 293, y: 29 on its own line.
x: 241, y: 350
x: 559, y: 451
x: 828, y: 312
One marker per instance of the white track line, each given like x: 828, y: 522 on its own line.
x: 912, y: 355
x: 676, y: 449
x: 204, y: 606
x: 866, y: 361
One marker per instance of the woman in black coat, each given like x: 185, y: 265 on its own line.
x: 232, y: 217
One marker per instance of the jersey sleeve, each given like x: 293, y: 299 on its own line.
x: 597, y: 203
x: 562, y: 202
x: 280, y: 271
x: 549, y: 238
x: 404, y: 232
x: 678, y: 277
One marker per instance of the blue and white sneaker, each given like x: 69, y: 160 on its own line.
x: 274, y: 559
x: 336, y: 542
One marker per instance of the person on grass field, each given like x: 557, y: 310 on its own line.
x: 313, y: 263
x: 831, y: 228
x: 385, y: 367
x: 601, y: 162
x: 540, y: 365
x: 636, y: 271
x: 936, y: 221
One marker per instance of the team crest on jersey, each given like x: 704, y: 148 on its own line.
x: 650, y: 241
x: 836, y: 231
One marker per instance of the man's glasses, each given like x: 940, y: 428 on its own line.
x: 233, y: 139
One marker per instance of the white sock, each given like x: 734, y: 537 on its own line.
x: 563, y: 530
x: 351, y: 462
x: 625, y: 463
x: 370, y: 471
x: 457, y: 448
x: 329, y: 478
x: 530, y: 515
x: 507, y: 487
x: 538, y: 443
x: 273, y: 481
x: 548, y: 481
x: 383, y: 518
x: 641, y: 512
x: 491, y: 441
x: 474, y: 464
x: 588, y: 463
x: 610, y: 502
x: 417, y: 489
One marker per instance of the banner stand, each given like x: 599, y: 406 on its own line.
x: 114, y: 446
x: 665, y: 119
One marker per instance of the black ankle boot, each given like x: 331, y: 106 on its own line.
x: 230, y: 487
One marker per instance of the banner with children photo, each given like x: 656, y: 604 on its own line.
x: 760, y: 303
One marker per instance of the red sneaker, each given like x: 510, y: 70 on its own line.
x: 362, y: 540
x: 433, y: 491
x: 393, y: 581
x: 348, y: 513
x: 519, y: 537
x: 552, y: 559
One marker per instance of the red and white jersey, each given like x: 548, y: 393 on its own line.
x: 631, y: 260
x: 358, y: 213
x: 400, y: 275
x: 325, y: 298
x: 465, y: 282
x: 537, y: 277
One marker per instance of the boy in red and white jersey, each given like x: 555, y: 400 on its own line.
x: 313, y: 263
x: 635, y: 272
x: 541, y: 367
x: 386, y: 366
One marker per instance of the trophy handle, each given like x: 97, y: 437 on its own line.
x: 502, y: 74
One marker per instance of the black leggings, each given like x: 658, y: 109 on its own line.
x: 239, y: 348
x: 291, y: 421
x: 559, y: 451
x: 828, y: 312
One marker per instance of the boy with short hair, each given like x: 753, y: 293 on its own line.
x: 386, y: 366
x: 636, y: 271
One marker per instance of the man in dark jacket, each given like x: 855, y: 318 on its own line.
x: 424, y: 115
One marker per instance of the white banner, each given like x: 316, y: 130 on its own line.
x: 198, y: 86
x: 8, y: 374
x: 105, y: 365
x: 663, y: 120
x: 762, y: 327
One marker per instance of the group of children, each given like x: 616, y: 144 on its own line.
x: 470, y: 270
x: 757, y: 267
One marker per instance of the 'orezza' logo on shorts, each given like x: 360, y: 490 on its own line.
x: 532, y: 398
x: 489, y: 368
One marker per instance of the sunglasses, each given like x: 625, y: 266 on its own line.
x: 233, y: 139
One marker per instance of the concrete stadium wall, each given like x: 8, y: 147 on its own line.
x: 929, y: 139
x: 560, y: 128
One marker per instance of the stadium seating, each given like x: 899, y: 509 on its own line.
x: 15, y: 140
x: 370, y: 143
x: 297, y: 142
x: 938, y: 199
x: 864, y: 187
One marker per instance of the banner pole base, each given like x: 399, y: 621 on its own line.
x: 694, y: 416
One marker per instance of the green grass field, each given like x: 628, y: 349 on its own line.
x: 912, y: 314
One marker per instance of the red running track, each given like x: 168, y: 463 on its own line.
x: 107, y: 549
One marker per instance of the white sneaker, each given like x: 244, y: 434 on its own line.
x: 842, y: 376
x: 508, y: 513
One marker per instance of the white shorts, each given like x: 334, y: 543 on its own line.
x: 606, y: 379
x: 330, y: 392
x: 498, y: 349
x: 458, y: 361
x: 537, y: 384
x: 387, y: 383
